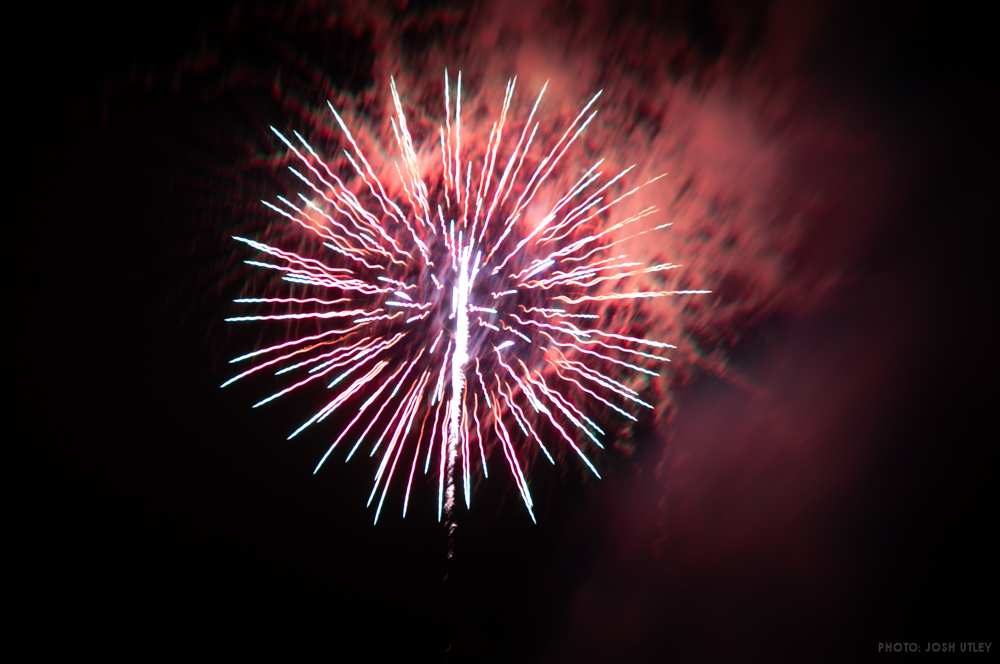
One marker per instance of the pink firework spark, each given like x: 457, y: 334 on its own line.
x: 456, y: 316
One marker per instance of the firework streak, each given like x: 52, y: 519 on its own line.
x: 457, y: 318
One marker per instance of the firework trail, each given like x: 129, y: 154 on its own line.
x: 457, y: 317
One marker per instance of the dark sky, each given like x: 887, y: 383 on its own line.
x: 849, y: 505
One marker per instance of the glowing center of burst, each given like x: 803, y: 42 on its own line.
x: 462, y: 290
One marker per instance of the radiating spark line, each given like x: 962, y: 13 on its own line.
x: 413, y: 466
x: 339, y: 399
x: 361, y: 412
x: 399, y: 452
x: 313, y: 377
x: 335, y: 354
x: 312, y: 314
x: 626, y: 296
x: 385, y: 403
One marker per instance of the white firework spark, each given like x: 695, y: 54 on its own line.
x: 456, y: 315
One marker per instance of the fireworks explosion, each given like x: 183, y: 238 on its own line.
x: 463, y: 312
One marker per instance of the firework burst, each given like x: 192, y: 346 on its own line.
x: 459, y: 314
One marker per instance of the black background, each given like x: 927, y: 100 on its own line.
x: 153, y: 514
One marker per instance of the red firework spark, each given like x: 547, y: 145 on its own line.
x: 462, y: 310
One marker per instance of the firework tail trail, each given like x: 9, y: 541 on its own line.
x: 458, y: 363
x: 456, y: 275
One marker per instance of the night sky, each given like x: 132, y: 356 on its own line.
x: 820, y: 478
